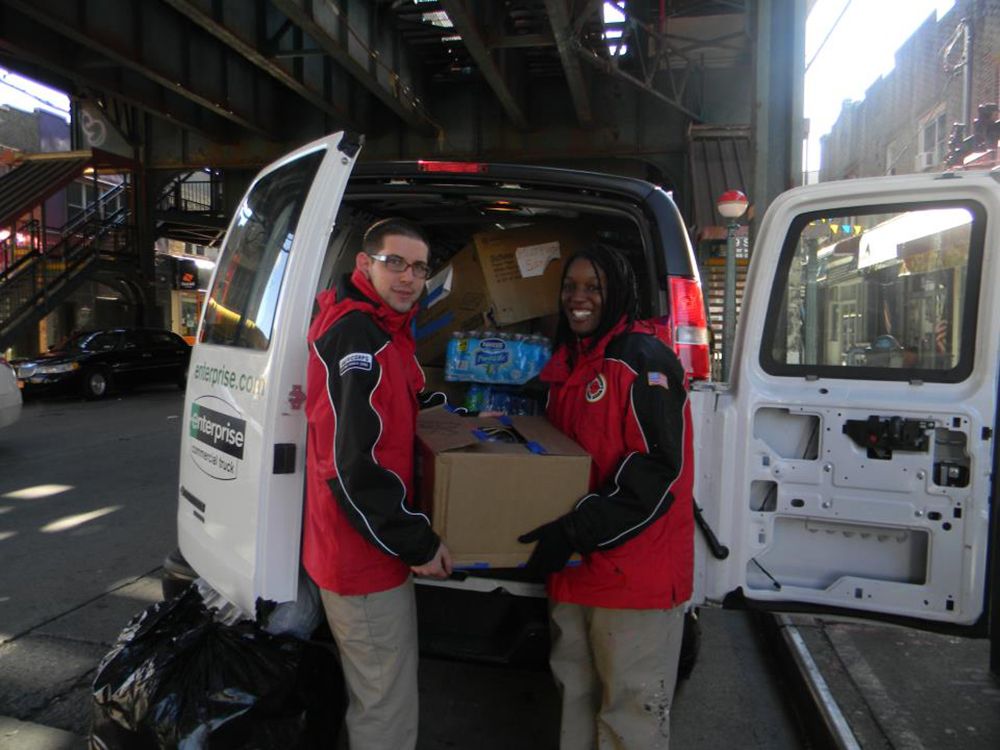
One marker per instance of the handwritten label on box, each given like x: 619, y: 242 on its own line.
x: 532, y: 260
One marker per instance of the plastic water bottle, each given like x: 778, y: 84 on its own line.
x: 503, y: 369
x: 452, y: 355
x: 472, y: 339
x: 474, y: 398
x: 520, y: 359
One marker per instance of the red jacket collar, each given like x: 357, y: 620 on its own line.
x: 558, y: 369
x: 388, y: 319
x: 357, y: 293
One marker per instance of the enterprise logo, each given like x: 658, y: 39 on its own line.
x: 223, y: 432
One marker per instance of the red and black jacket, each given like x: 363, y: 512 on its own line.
x: 359, y: 533
x: 625, y: 402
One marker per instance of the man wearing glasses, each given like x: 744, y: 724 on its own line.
x: 361, y: 537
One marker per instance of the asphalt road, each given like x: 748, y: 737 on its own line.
x: 87, y: 513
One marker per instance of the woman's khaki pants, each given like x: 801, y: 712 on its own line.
x: 616, y: 670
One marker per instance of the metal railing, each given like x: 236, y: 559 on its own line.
x: 198, y: 192
x: 37, y: 276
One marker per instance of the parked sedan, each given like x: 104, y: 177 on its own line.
x: 94, y: 362
x: 10, y: 396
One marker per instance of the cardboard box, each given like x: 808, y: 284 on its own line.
x: 482, y: 495
x: 456, y: 300
x: 523, y: 267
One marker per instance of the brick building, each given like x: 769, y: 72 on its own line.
x: 904, y: 122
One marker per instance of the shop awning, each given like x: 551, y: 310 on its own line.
x: 37, y: 177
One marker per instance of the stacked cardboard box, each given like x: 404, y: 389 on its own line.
x: 499, y: 279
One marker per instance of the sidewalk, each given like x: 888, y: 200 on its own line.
x: 23, y: 735
x: 903, y: 688
x: 895, y: 687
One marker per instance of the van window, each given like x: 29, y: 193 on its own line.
x: 240, y: 308
x: 880, y: 294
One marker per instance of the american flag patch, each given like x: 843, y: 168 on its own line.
x: 657, y: 378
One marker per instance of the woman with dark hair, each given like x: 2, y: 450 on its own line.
x: 618, y: 616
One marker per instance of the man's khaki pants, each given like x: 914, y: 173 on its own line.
x: 616, y: 670
x: 377, y: 638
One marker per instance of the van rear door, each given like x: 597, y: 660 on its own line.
x: 243, y: 446
x: 848, y: 465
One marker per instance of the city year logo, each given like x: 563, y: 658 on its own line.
x: 596, y: 389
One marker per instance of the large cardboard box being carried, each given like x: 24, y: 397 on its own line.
x: 482, y: 495
x: 523, y: 268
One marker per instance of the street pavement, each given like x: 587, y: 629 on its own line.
x: 87, y: 513
x: 903, y: 688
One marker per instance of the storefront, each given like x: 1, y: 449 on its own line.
x: 182, y: 280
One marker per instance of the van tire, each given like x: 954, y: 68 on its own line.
x: 177, y: 575
x: 96, y: 384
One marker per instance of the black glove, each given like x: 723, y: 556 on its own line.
x: 553, y: 550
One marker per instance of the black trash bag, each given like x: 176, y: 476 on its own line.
x: 177, y: 679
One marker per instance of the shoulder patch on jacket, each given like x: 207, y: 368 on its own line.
x: 658, y: 379
x: 356, y: 361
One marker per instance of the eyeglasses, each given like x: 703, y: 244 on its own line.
x: 397, y: 265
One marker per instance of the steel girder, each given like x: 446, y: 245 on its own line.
x: 234, y: 82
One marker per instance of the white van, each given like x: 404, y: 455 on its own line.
x: 847, y: 466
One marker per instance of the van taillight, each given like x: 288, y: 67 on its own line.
x: 689, y: 327
x: 460, y: 167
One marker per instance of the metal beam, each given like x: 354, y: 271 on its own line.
x: 726, y: 41
x: 467, y: 28
x: 650, y: 52
x: 559, y: 18
x: 520, y: 41
x: 255, y: 56
x: 38, y: 47
x: 326, y: 30
x: 70, y: 31
x: 589, y: 8
x: 602, y: 63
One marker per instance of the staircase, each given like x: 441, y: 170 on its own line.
x: 41, y: 266
x: 35, y: 280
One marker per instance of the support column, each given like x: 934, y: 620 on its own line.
x: 144, y: 236
x: 778, y: 28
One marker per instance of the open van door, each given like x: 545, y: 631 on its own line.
x: 242, y: 459
x: 848, y: 465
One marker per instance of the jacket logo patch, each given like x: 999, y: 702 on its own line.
x: 658, y: 378
x: 356, y: 361
x: 596, y: 389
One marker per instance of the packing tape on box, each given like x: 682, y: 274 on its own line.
x: 434, y: 326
